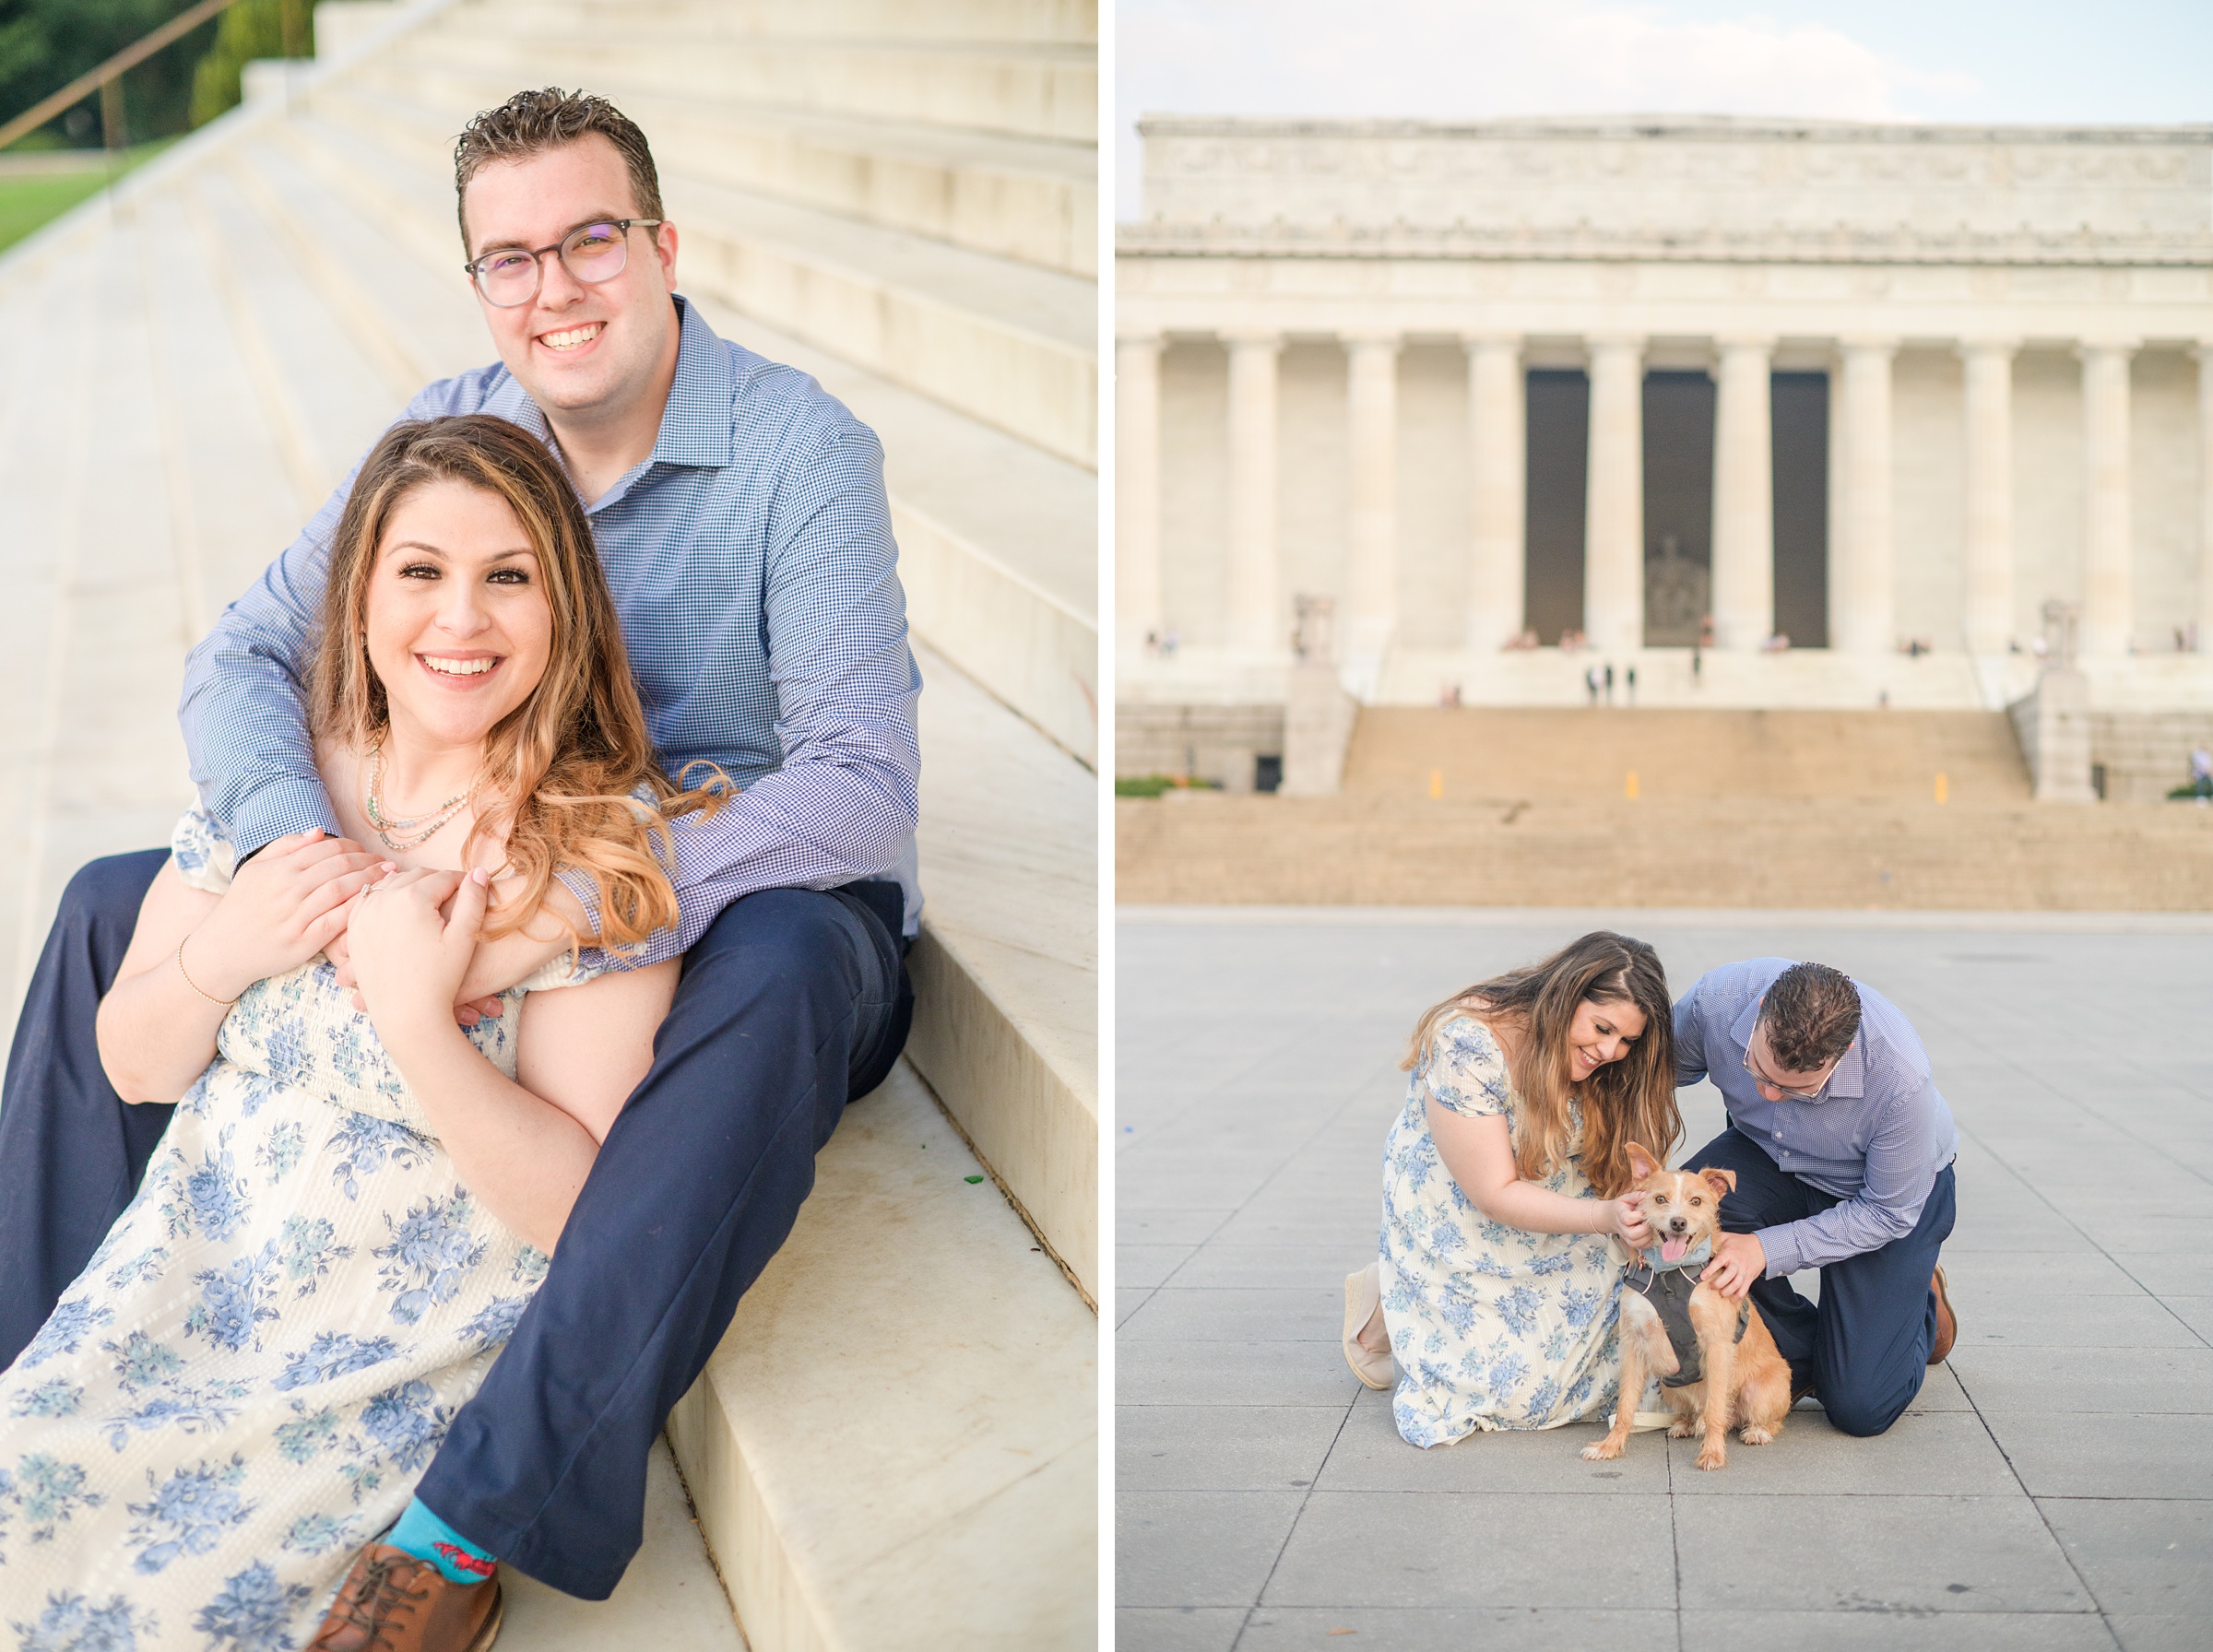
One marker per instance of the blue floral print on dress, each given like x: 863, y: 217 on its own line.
x: 1493, y: 1328
x: 210, y: 1423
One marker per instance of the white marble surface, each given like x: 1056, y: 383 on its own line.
x: 670, y: 1597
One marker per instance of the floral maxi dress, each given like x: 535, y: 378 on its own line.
x: 1493, y: 1327
x: 248, y: 1379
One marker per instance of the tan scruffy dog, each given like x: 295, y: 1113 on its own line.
x: 1718, y: 1366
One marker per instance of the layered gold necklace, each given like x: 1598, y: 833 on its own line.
x: 400, y: 835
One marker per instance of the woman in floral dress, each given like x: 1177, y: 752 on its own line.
x: 1504, y: 1178
x: 350, y: 1208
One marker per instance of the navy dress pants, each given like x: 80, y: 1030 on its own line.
x: 1865, y: 1347
x: 793, y: 1002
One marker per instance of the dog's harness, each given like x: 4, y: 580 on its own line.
x: 1667, y: 1286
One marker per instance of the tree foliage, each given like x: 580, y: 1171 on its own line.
x: 251, y: 29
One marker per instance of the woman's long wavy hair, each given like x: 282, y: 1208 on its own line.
x: 1626, y: 1101
x: 561, y: 769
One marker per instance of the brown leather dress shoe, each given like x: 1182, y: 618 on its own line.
x: 1948, y: 1322
x: 392, y: 1602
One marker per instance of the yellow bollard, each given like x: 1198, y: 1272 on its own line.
x: 1943, y: 787
x: 1436, y: 783
x: 1629, y: 786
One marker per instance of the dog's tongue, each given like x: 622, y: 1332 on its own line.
x: 1673, y: 1248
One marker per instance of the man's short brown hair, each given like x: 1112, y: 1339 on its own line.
x: 533, y: 122
x: 1811, y: 1014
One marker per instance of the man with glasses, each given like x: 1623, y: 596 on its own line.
x: 740, y: 513
x: 1842, y: 1150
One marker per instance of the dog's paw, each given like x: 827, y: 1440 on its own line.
x: 1713, y: 1455
x: 1756, y: 1437
x: 1679, y: 1429
x: 1606, y: 1451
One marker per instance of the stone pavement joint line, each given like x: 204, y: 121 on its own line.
x: 2046, y: 1490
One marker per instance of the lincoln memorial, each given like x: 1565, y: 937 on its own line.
x: 1774, y: 413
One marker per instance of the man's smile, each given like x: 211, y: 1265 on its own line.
x: 570, y: 338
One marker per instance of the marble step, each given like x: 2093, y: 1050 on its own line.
x: 1022, y: 88
x: 1006, y: 970
x: 1009, y: 198
x: 997, y: 539
x: 1068, y: 22
x: 1010, y: 344
x: 1793, y: 854
x: 896, y: 1443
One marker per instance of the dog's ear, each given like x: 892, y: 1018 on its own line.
x: 1722, y: 1182
x: 1640, y: 1162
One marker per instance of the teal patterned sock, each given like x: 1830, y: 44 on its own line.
x: 426, y: 1537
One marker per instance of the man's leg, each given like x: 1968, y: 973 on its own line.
x: 1879, y: 1322
x: 1767, y: 1196
x: 71, y: 1149
x: 789, y: 1001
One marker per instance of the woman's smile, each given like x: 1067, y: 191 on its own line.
x: 460, y: 672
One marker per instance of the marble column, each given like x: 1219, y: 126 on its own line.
x: 2203, y: 611
x: 1614, y: 515
x: 1371, y: 577
x: 2108, y: 591
x: 1140, y: 601
x: 1743, y: 496
x: 1987, y: 585
x: 1863, y: 602
x: 1498, y: 476
x: 1255, y: 625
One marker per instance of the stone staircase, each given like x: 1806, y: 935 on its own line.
x: 899, y: 199
x: 1794, y: 809
x: 1684, y: 755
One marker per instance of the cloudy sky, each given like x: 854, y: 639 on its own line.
x: 2100, y: 61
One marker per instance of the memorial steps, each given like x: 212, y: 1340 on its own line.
x: 896, y: 1443
x: 1685, y: 756
x: 1777, y: 809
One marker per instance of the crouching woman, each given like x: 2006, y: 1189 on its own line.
x: 1504, y: 1177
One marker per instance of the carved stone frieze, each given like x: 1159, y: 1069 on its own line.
x: 1707, y: 187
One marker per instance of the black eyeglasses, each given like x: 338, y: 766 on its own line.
x: 593, y: 252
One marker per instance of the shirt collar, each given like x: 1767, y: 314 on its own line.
x: 695, y: 425
x: 1849, y: 1083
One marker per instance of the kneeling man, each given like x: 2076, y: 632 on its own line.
x: 1843, y: 1151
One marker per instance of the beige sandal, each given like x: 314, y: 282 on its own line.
x: 1366, y: 1342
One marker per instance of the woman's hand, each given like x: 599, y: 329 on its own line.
x: 283, y: 906
x: 411, y: 948
x: 1626, y: 1220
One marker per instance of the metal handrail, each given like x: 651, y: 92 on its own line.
x: 98, y: 79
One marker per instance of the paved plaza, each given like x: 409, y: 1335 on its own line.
x: 2048, y: 1492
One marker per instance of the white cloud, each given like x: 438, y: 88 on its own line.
x: 1493, y: 57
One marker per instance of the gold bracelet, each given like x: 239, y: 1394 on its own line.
x: 226, y: 1003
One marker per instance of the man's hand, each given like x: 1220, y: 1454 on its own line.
x: 1739, y: 1260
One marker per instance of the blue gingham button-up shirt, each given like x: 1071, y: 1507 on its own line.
x: 1875, y: 1136
x: 752, y: 564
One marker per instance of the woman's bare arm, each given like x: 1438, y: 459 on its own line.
x: 156, y: 1034
x: 156, y: 1028
x: 1480, y: 1154
x: 524, y: 1148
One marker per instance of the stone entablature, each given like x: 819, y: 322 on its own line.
x: 1677, y: 187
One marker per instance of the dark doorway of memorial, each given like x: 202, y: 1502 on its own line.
x: 1558, y: 412
x: 1679, y: 507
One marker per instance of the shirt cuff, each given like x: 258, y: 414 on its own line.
x: 1782, y: 1247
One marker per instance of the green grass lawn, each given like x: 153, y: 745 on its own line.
x: 27, y: 203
